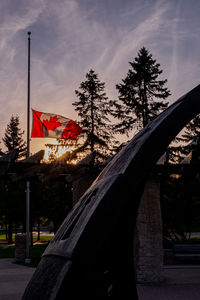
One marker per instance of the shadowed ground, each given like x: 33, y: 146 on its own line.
x: 181, y: 282
x: 13, y: 279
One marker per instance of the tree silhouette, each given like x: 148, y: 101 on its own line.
x: 189, y: 143
x: 93, y: 108
x: 138, y: 94
x: 1, y: 153
x: 13, y: 139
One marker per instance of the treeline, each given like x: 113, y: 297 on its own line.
x: 49, y: 205
x: 142, y: 95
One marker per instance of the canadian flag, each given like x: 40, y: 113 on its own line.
x: 47, y: 125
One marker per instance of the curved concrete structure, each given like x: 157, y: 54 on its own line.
x: 91, y: 255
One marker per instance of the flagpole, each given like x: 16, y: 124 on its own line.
x: 28, y: 260
x: 28, y: 98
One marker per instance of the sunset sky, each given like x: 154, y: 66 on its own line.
x: 69, y: 37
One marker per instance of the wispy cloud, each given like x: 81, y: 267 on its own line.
x: 137, y: 36
x: 71, y: 36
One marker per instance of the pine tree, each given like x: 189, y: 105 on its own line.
x: 13, y: 139
x: 138, y: 94
x: 93, y: 109
x: 189, y: 142
x: 1, y: 153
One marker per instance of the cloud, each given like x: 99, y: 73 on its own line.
x: 71, y: 36
x: 136, y: 37
x: 14, y: 18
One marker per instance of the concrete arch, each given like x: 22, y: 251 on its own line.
x: 92, y: 253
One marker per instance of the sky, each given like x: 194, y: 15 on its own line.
x: 70, y: 37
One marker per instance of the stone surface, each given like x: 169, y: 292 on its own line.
x: 20, y: 247
x: 148, y: 236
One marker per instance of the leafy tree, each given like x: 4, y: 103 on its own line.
x: 13, y: 139
x: 12, y: 206
x: 138, y: 94
x: 46, y: 199
x: 94, y: 108
x: 180, y: 204
x: 57, y: 197
x: 63, y: 151
x: 181, y: 199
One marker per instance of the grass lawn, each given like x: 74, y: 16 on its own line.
x: 46, y: 238
x: 7, y: 251
x: 36, y: 251
x: 168, y: 243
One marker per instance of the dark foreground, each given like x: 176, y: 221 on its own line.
x: 181, y: 282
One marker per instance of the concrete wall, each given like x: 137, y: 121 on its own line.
x: 148, y: 236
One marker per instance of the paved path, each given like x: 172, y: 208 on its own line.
x: 13, y: 279
x: 181, y: 283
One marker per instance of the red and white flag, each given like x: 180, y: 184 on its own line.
x: 54, y: 126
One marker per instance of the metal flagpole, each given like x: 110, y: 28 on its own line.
x: 28, y: 260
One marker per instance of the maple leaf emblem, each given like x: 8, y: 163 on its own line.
x: 52, y: 123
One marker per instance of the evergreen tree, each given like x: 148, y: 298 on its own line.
x: 138, y: 94
x: 93, y: 109
x: 189, y: 142
x: 13, y: 139
x: 1, y: 153
x: 191, y: 138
